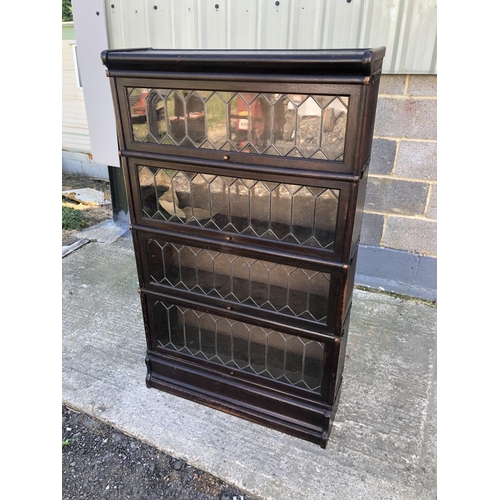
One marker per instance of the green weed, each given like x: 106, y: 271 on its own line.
x: 71, y: 218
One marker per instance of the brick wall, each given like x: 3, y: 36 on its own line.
x: 398, y: 238
x: 401, y: 200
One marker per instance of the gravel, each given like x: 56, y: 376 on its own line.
x: 99, y: 462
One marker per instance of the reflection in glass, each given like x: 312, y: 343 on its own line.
x: 309, y: 127
x: 295, y: 125
x: 156, y: 116
x: 238, y: 121
x: 137, y: 103
x: 284, y: 212
x: 216, y: 122
x: 176, y: 114
x: 275, y: 287
x: 195, y: 111
x: 289, y: 359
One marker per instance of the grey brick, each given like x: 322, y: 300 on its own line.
x: 395, y: 196
x: 413, y: 235
x: 371, y: 229
x: 96, y: 170
x: 80, y: 164
x: 411, y: 118
x: 72, y: 166
x: 392, y: 84
x: 383, y: 156
x: 432, y: 208
x: 73, y: 155
x: 387, y: 263
x: 427, y: 272
x: 423, y: 85
x: 397, y: 271
x: 417, y: 160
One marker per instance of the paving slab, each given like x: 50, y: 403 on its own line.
x: 107, y: 231
x: 86, y: 196
x: 383, y: 442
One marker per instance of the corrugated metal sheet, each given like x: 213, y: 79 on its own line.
x: 408, y: 28
x: 75, y: 132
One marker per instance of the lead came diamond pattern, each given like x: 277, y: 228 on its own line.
x: 290, y: 359
x: 295, y: 125
x: 285, y: 212
x: 289, y: 290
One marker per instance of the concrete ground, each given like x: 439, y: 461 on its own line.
x: 383, y: 442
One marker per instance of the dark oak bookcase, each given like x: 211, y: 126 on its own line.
x: 246, y: 175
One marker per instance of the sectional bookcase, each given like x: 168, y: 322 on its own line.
x: 246, y: 174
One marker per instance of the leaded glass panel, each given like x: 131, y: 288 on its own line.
x: 295, y: 125
x: 275, y: 287
x: 284, y: 212
x: 290, y: 359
